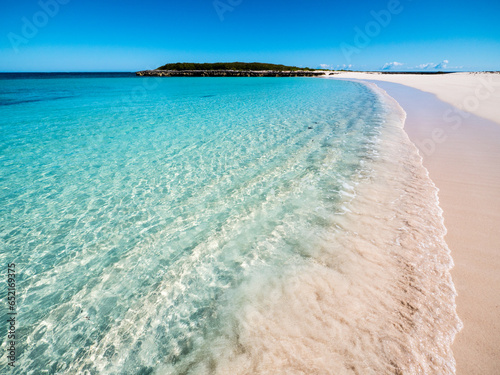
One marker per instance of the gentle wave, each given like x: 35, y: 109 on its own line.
x: 223, y: 226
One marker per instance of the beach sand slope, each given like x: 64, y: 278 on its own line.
x: 461, y: 150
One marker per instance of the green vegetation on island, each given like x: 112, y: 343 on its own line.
x: 240, y: 66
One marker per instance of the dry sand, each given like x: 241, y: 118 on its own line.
x: 477, y: 93
x: 462, y: 153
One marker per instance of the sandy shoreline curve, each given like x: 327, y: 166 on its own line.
x: 476, y: 93
x: 458, y: 137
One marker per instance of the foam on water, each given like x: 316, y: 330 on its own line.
x: 231, y: 226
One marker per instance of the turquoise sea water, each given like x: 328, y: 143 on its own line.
x: 149, y: 217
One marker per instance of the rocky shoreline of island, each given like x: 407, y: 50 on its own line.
x: 228, y: 73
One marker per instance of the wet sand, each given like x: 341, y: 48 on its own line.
x: 462, y: 154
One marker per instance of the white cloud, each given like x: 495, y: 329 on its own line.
x: 325, y: 66
x: 442, y: 65
x: 345, y: 66
x: 426, y: 66
x: 391, y: 65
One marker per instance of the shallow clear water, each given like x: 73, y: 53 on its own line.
x: 213, y: 225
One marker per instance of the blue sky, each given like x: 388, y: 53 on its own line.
x: 125, y: 35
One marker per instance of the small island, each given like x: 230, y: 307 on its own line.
x: 234, y: 69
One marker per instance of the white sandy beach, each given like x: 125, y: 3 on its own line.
x: 477, y: 93
x: 461, y: 150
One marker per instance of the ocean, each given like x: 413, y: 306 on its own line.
x: 218, y: 226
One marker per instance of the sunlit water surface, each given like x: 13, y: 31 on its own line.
x: 218, y: 225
